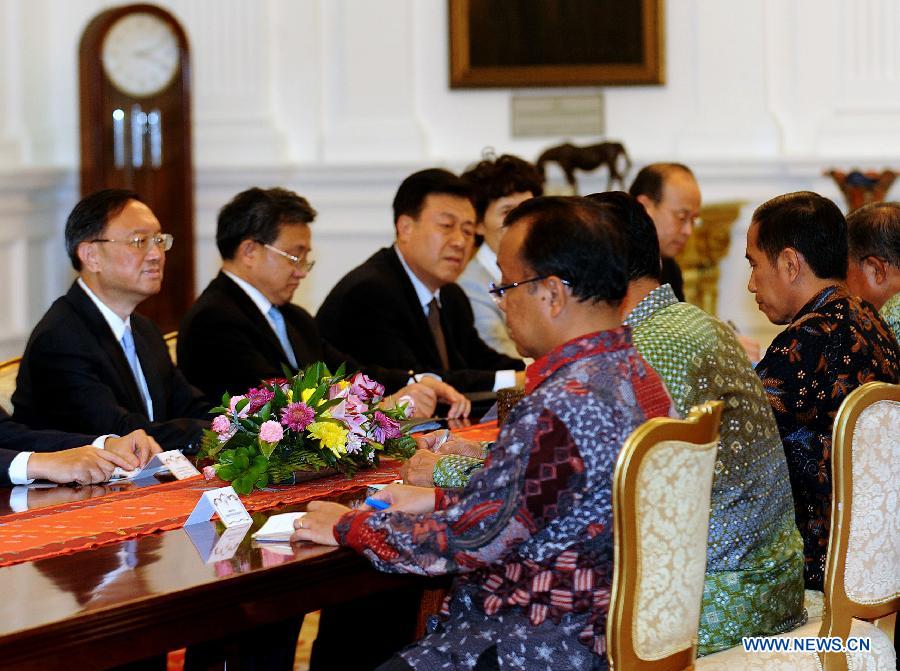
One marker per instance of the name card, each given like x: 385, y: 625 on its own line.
x: 223, y: 502
x: 173, y: 461
x: 211, y: 545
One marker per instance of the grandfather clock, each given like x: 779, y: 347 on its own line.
x: 135, y: 82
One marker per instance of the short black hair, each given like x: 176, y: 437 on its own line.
x: 651, y: 178
x: 418, y: 186
x: 641, y: 240
x: 89, y: 218
x: 574, y: 239
x: 258, y: 214
x: 809, y: 223
x: 874, y: 230
x: 494, y: 178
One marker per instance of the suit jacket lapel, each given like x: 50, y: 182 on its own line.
x: 106, y: 341
x: 392, y: 262
x: 270, y: 343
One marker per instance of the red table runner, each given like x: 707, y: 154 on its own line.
x: 119, y: 516
x: 70, y: 527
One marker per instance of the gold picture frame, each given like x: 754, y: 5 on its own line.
x: 514, y: 43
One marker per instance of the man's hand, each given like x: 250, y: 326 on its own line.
x: 318, y: 523
x: 85, y: 465
x: 136, y: 448
x: 406, y: 498
x: 419, y: 469
x: 751, y: 347
x: 460, y: 406
x: 424, y: 399
x: 436, y: 442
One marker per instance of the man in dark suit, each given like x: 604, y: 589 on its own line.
x: 244, y: 328
x: 27, y: 455
x: 415, y: 316
x: 91, y: 365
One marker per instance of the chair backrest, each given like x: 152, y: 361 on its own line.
x: 661, y: 492
x: 862, y: 572
x: 171, y: 339
x: 9, y: 371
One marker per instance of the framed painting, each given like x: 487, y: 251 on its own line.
x: 515, y: 43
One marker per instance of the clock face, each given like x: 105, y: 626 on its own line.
x: 140, y: 54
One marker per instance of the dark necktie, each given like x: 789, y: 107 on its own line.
x: 434, y: 323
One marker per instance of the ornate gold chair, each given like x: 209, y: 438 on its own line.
x: 661, y: 492
x: 171, y: 339
x: 9, y: 371
x: 862, y: 573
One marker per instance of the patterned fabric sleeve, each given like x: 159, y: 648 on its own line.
x: 453, y: 471
x: 478, y: 526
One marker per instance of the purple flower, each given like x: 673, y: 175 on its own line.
x: 385, y: 428
x: 365, y: 388
x: 354, y: 443
x: 270, y: 432
x: 258, y: 398
x: 297, y: 416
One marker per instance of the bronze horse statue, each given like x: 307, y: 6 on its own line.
x: 569, y: 157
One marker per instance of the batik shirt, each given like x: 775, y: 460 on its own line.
x: 754, y: 558
x: 531, y: 533
x: 890, y: 312
x: 835, y: 343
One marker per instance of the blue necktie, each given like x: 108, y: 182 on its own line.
x: 281, y: 331
x: 131, y: 354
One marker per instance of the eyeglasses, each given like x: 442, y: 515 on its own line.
x: 497, y: 292
x: 142, y: 242
x: 302, y: 264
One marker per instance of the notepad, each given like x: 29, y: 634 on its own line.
x: 278, y: 528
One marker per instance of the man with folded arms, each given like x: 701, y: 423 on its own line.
x: 91, y: 365
x: 244, y: 329
x: 414, y: 316
x: 832, y: 343
x: 873, y: 233
x: 537, y: 520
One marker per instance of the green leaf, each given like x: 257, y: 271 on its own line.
x: 241, y: 462
x: 243, y: 403
x: 267, y: 448
x: 243, y: 485
x: 262, y: 480
x: 227, y: 473
x: 218, y: 410
x: 226, y: 399
x: 265, y: 412
x: 341, y: 371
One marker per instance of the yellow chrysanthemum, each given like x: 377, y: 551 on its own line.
x: 330, y: 435
x: 290, y: 395
x: 306, y: 394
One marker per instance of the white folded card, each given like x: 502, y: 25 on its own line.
x: 213, y: 546
x: 172, y: 461
x: 277, y: 528
x: 225, y: 503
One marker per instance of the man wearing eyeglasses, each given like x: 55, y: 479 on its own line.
x: 93, y: 366
x: 244, y: 329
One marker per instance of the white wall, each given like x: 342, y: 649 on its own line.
x: 340, y: 99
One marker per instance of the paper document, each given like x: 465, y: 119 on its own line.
x: 277, y: 528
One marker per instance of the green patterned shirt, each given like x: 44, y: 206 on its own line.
x: 890, y: 311
x: 754, y: 565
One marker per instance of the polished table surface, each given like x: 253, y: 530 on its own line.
x: 130, y: 600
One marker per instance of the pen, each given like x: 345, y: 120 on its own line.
x: 377, y: 504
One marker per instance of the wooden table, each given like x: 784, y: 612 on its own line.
x: 123, y: 602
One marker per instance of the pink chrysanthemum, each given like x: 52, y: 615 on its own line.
x: 221, y: 425
x: 297, y: 416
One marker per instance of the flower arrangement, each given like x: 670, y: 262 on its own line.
x: 309, y: 422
